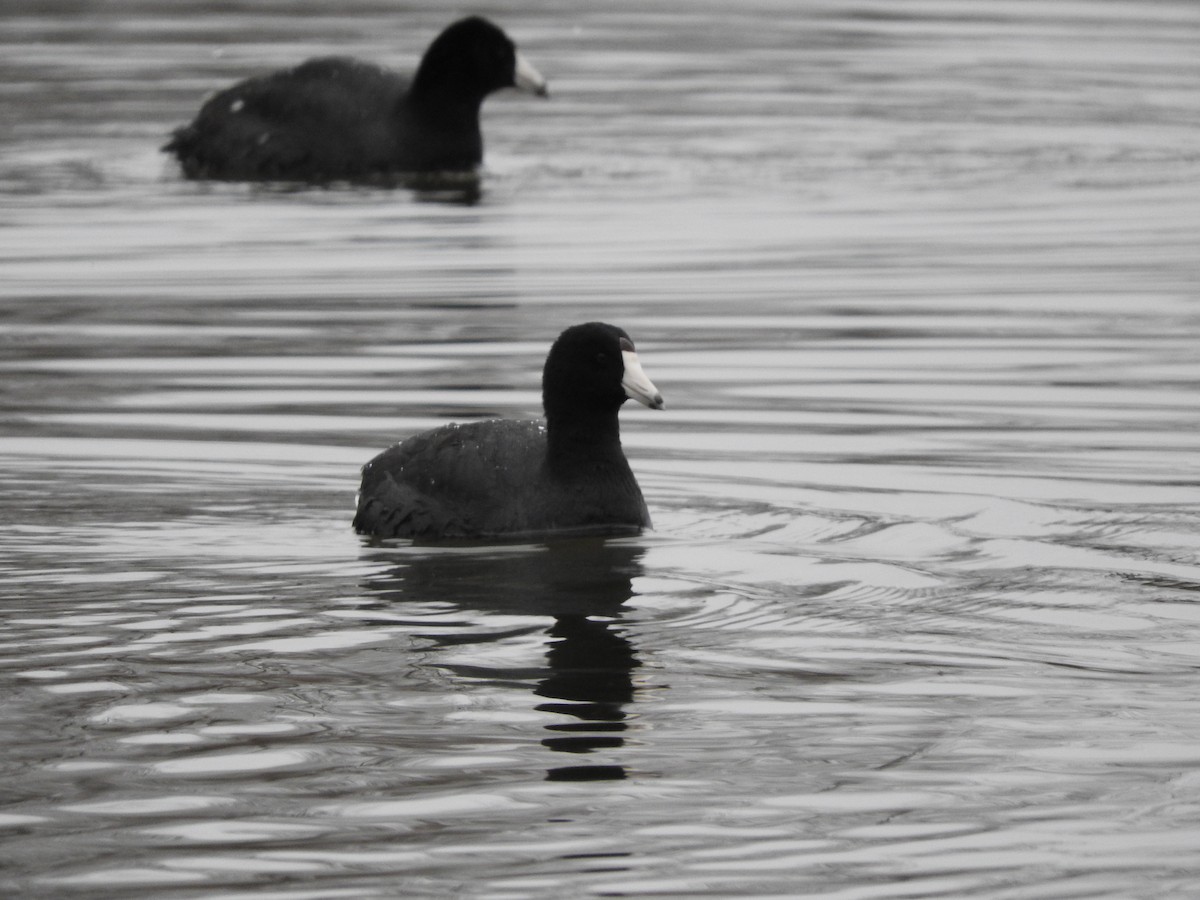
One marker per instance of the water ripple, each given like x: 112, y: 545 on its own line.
x: 918, y: 616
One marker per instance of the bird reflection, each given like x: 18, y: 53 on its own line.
x: 581, y: 585
x: 590, y: 680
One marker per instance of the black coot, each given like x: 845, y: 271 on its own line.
x: 510, y: 479
x: 336, y: 119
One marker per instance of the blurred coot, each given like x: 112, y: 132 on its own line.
x: 335, y: 118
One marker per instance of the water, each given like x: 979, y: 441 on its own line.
x: 919, y: 616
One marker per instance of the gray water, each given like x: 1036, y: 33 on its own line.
x: 920, y: 616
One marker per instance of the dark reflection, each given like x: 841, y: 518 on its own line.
x: 449, y: 188
x: 589, y: 681
x: 581, y: 585
x: 457, y: 196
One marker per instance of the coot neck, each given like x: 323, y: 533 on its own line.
x: 442, y: 104
x: 439, y: 90
x: 575, y: 438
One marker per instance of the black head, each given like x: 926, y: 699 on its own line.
x: 594, y: 368
x: 471, y: 59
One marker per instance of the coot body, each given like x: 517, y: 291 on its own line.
x: 519, y: 479
x: 335, y: 118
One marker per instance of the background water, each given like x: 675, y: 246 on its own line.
x: 921, y: 614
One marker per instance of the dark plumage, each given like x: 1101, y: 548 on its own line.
x: 513, y: 479
x: 341, y: 119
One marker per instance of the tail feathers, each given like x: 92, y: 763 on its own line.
x: 182, y: 139
x: 393, y: 509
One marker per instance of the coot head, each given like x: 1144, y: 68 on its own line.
x: 594, y: 368
x: 471, y: 59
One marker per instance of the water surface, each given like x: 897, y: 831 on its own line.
x: 918, y: 281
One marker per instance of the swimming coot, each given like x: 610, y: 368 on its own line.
x: 335, y: 119
x: 505, y: 478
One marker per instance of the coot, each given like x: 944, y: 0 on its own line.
x: 510, y: 479
x: 335, y: 118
